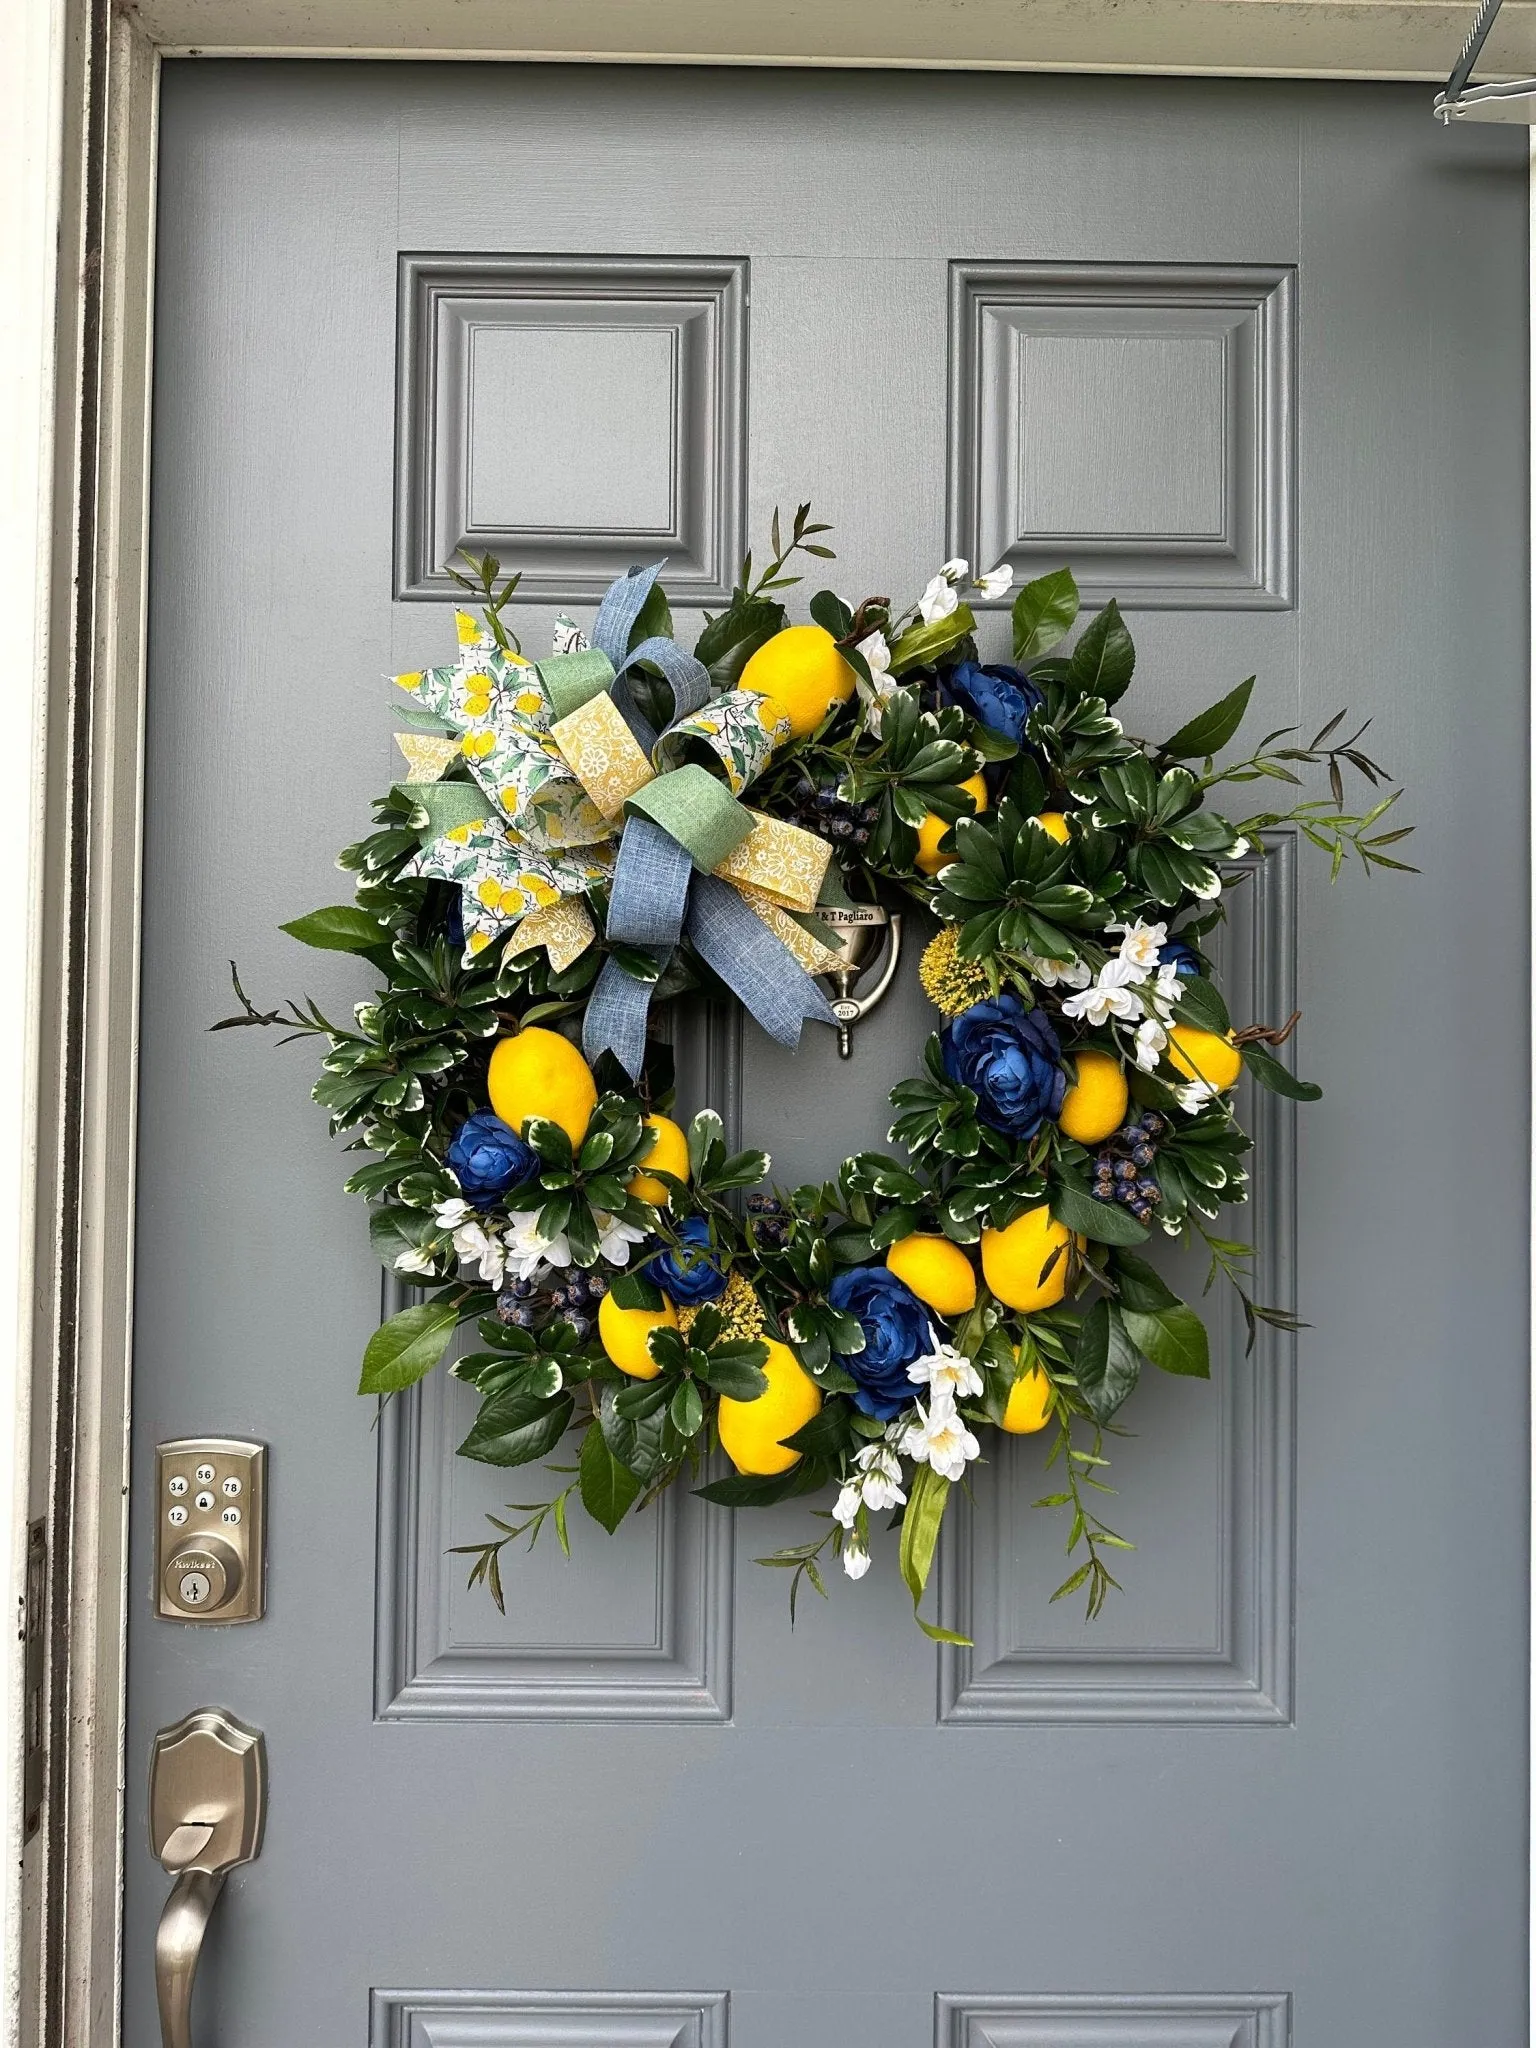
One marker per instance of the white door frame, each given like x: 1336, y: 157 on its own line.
x: 78, y: 95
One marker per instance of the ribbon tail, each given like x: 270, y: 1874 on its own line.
x: 650, y: 887
x: 752, y: 963
x: 617, y: 1012
x: 645, y: 908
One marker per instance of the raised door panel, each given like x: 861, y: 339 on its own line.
x: 571, y: 416
x: 1134, y: 419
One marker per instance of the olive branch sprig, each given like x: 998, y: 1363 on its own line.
x: 1323, y: 821
x: 773, y: 577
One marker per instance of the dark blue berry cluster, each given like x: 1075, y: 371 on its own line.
x: 823, y: 811
x: 569, y: 1294
x: 769, y: 1221
x: 1123, y: 1166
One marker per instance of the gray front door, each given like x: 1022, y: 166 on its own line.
x: 1251, y: 356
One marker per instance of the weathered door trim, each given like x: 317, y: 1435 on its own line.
x: 72, y: 1168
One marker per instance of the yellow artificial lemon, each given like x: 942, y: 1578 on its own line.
x: 622, y: 1333
x: 936, y: 1270
x: 1096, y: 1102
x: 539, y: 1073
x: 1029, y: 1403
x: 752, y: 1432
x: 1055, y: 824
x: 1203, y: 1056
x: 1013, y: 1260
x: 932, y: 830
x: 669, y: 1153
x: 801, y: 671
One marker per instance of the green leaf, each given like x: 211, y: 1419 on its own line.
x: 1103, y: 1222
x: 1042, y: 612
x: 927, y: 1498
x: 608, y: 1489
x: 647, y: 1444
x: 1104, y: 659
x: 1270, y: 1073
x: 1141, y: 1286
x: 687, y: 1408
x: 828, y: 1434
x: 923, y: 643
x: 392, y: 1231
x: 829, y: 611
x: 1209, y: 731
x: 728, y: 642
x: 738, y: 1378
x: 404, y: 1349
x: 745, y: 1490
x: 1173, y: 1338
x: 516, y: 1428
x: 704, y: 1133
x: 634, y: 1290
x: 1201, y: 1004
x: 1107, y: 1363
x: 342, y: 928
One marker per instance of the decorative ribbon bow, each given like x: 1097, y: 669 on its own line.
x: 570, y: 763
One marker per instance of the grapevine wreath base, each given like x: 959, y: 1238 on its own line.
x: 624, y: 823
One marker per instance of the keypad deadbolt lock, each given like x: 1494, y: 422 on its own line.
x: 210, y: 1530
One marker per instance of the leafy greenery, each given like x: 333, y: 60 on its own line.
x: 1078, y: 845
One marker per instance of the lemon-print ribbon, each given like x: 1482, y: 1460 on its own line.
x: 570, y: 764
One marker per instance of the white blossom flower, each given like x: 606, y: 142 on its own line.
x: 880, y: 1486
x: 454, y: 1215
x: 1150, y: 1040
x: 939, y: 1438
x: 1194, y: 1095
x: 957, y: 568
x: 856, y: 1559
x: 1142, y: 943
x: 945, y: 1371
x: 477, y: 1245
x: 416, y: 1259
x: 996, y: 581
x: 939, y: 599
x: 527, y: 1248
x: 614, y: 1237
x: 1066, y: 973
x: 882, y: 685
x: 1169, y: 983
x: 1112, y: 995
x: 850, y: 1498
x: 569, y: 638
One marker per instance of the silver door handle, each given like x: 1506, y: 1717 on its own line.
x: 207, y: 1810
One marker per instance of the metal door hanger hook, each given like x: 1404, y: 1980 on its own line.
x: 861, y: 928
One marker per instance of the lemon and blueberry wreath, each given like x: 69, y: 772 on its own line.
x: 622, y: 823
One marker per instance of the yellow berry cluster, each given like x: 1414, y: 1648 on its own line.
x: 743, y: 1318
x: 950, y: 983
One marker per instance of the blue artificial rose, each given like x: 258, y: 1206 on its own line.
x: 689, y: 1272
x: 488, y: 1157
x: 1180, y: 956
x: 998, y: 697
x: 897, y: 1328
x: 1010, y: 1058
